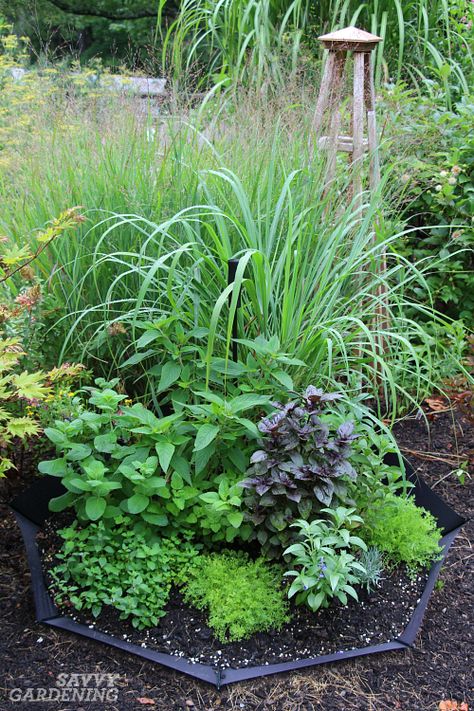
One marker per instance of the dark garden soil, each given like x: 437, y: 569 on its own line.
x: 440, y: 666
x: 377, y: 618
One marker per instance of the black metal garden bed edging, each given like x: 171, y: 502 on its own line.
x: 31, y: 510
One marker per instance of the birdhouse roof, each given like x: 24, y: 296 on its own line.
x: 350, y: 38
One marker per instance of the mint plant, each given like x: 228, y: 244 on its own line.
x: 325, y: 566
x: 119, y: 566
x: 303, y: 465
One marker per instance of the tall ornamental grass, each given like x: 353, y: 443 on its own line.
x: 309, y: 282
x: 169, y: 199
x: 260, y: 40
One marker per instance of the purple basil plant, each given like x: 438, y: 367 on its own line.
x: 302, y: 466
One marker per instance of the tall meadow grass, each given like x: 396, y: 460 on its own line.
x: 261, y: 40
x: 171, y: 196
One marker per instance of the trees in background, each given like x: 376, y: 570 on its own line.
x: 118, y: 31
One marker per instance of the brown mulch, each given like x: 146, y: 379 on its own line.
x: 439, y: 666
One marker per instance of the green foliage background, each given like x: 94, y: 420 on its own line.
x: 422, y: 41
x: 113, y: 37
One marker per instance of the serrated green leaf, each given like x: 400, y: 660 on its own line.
x: 165, y: 451
x: 29, y: 385
x: 235, y: 519
x: 205, y: 435
x: 22, y: 427
x: 170, y: 373
x: 5, y: 466
x: 14, y: 254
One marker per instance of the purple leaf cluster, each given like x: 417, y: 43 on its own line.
x: 303, y: 464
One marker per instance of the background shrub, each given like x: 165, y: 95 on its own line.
x: 436, y: 176
x: 246, y: 192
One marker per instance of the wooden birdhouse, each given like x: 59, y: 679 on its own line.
x: 362, y: 135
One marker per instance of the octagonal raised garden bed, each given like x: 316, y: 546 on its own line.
x: 31, y: 511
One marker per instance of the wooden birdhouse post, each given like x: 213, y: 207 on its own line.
x: 328, y: 107
x: 361, y: 138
